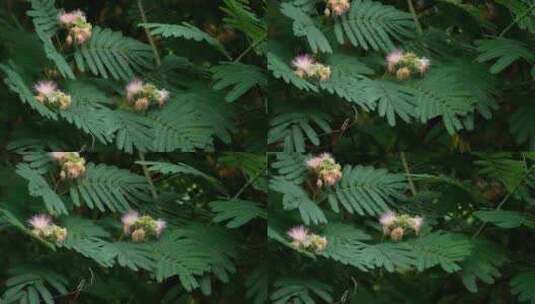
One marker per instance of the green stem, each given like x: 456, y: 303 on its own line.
x: 504, y: 200
x: 251, y: 47
x: 408, y: 173
x: 248, y: 183
x: 148, y: 177
x: 518, y: 18
x: 147, y: 32
x: 415, y: 17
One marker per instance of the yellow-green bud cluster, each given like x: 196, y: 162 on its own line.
x: 397, y: 226
x: 72, y: 164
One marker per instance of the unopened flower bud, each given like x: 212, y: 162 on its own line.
x: 403, y: 73
x: 138, y: 235
x: 397, y: 234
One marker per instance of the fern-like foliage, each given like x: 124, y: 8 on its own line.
x: 304, y: 26
x: 441, y: 248
x: 109, y: 53
x: 184, y: 30
x: 522, y: 125
x: 34, y: 286
x: 281, y: 70
x: 294, y: 197
x: 294, y: 128
x: 236, y: 212
x: 441, y: 94
x: 89, y: 113
x: 482, y: 264
x: 506, y: 219
x: 39, y: 187
x: 16, y: 83
x: 44, y: 15
x: 522, y: 285
x: 107, y: 187
x: 240, y: 16
x: 300, y: 291
x: 188, y: 133
x: 504, y: 51
x: 257, y: 285
x: 290, y: 166
x: 366, y: 190
x: 372, y: 25
x: 239, y: 77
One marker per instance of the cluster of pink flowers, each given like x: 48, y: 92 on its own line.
x: 337, y: 7
x: 49, y: 95
x: 43, y: 227
x: 325, y: 169
x: 76, y: 23
x: 72, y: 164
x: 396, y: 226
x: 142, y: 95
x: 403, y: 65
x: 306, y: 66
x: 142, y: 227
x: 305, y: 240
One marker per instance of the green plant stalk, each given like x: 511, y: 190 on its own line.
x: 415, y: 17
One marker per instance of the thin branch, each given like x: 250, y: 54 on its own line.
x: 408, y: 173
x: 158, y: 63
x: 504, y: 200
x: 251, y: 47
x: 518, y: 18
x: 148, y: 177
x: 147, y: 32
x: 252, y: 180
x: 415, y: 17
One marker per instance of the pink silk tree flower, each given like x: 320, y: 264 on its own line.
x: 417, y: 223
x: 299, y: 233
x: 45, y: 87
x: 303, y: 64
x: 393, y: 58
x: 163, y: 96
x: 424, y: 64
x: 58, y: 155
x: 133, y: 87
x: 40, y: 221
x: 387, y: 218
x: 160, y: 226
x: 129, y: 219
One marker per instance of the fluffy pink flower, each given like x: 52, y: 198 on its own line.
x: 160, y: 226
x: 332, y: 177
x: 388, y: 218
x: 424, y: 64
x: 40, y: 221
x: 299, y: 233
x: 417, y: 222
x: 163, y: 95
x: 303, y: 63
x: 314, y: 162
x: 133, y: 87
x: 130, y: 218
x: 393, y: 58
x: 67, y: 18
x: 141, y: 104
x: 339, y: 7
x: 45, y: 87
x: 58, y: 155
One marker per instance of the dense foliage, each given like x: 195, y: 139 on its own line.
x: 402, y: 228
x: 199, y: 231
x: 248, y: 151
x: 207, y: 58
x: 474, y: 89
